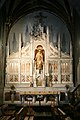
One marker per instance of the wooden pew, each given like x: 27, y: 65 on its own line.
x: 2, y: 117
x: 58, y: 113
x: 14, y: 118
x: 31, y: 118
x: 20, y: 114
x: 6, y: 111
x: 5, y: 118
x: 26, y: 118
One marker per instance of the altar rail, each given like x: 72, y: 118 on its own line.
x: 39, y: 93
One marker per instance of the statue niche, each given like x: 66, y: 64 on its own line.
x: 39, y: 58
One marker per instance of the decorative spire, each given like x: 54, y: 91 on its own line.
x: 40, y: 18
x: 38, y: 27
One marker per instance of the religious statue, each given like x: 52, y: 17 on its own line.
x: 39, y: 60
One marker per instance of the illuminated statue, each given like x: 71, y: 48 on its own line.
x: 39, y: 60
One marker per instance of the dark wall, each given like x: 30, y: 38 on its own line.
x: 2, y: 52
x: 76, y: 45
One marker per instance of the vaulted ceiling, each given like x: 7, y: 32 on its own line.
x: 13, y: 10
x: 75, y: 4
x: 16, y: 4
x: 16, y: 8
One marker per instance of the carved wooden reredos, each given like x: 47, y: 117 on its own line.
x: 39, y: 54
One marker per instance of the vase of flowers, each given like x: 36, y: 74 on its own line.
x: 67, y: 92
x: 12, y: 93
x: 67, y: 87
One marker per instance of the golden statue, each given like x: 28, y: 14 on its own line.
x: 39, y: 60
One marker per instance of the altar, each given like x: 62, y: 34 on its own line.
x: 39, y: 67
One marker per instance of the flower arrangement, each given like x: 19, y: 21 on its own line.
x: 67, y: 86
x: 12, y: 87
x: 12, y: 93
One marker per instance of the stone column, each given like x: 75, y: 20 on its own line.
x: 59, y: 71
x: 59, y: 45
x: 71, y: 75
x: 78, y: 73
x: 19, y: 55
x: 19, y: 45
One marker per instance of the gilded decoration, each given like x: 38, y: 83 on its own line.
x: 39, y: 57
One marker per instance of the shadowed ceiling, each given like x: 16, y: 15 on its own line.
x: 13, y: 10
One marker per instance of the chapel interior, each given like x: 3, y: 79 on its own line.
x: 39, y: 60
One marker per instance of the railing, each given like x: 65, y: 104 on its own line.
x: 59, y: 114
x: 75, y: 95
